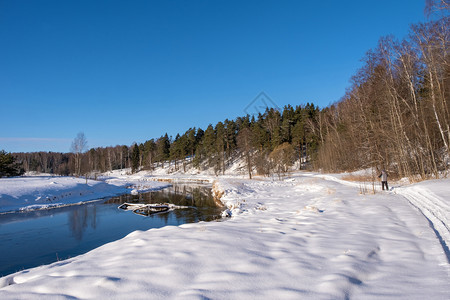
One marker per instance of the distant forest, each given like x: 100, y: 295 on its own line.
x: 395, y: 115
x: 215, y: 147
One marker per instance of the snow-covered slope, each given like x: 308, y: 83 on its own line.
x: 306, y: 237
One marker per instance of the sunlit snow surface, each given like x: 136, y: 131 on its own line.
x: 307, y: 237
x: 43, y: 192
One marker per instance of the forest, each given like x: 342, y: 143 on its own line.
x: 290, y: 133
x: 395, y: 115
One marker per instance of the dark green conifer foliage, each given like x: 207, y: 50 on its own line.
x: 177, y: 150
x: 149, y: 153
x: 288, y: 122
x: 219, y: 161
x: 198, y: 158
x: 191, y: 141
x: 163, y: 149
x: 244, y: 140
x: 230, y: 136
x: 124, y: 157
x: 8, y: 165
x: 209, y: 150
x: 135, y: 158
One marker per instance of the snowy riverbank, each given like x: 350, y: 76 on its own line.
x: 44, y: 192
x: 307, y: 237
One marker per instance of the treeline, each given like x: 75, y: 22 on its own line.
x: 95, y: 160
x: 397, y: 112
x: 280, y: 137
x: 99, y: 159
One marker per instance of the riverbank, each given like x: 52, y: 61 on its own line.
x: 45, y: 192
x: 306, y: 237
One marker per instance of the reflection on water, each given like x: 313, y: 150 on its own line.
x: 41, y: 237
x: 199, y: 199
x: 80, y: 218
x: 182, y: 195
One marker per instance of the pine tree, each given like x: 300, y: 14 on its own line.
x: 208, y: 145
x: 261, y: 142
x: 135, y: 158
x: 177, y: 150
x: 8, y: 165
x: 230, y: 136
x: 163, y: 149
x: 123, y: 155
x: 244, y: 140
x: 198, y: 158
x: 288, y: 122
x: 149, y: 153
x: 191, y: 141
x: 220, y: 148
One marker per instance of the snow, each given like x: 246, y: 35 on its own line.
x: 431, y: 199
x: 43, y: 192
x: 310, y: 236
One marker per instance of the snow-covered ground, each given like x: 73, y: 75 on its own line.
x: 309, y: 236
x: 43, y: 192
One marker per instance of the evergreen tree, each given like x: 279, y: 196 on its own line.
x: 135, y: 158
x: 124, y: 157
x: 149, y: 153
x: 244, y: 140
x: 141, y: 154
x: 298, y: 140
x: 261, y: 138
x: 272, y: 123
x: 8, y: 165
x: 242, y: 122
x: 208, y: 146
x: 261, y: 143
x: 191, y: 141
x: 163, y: 149
x: 198, y: 158
x: 177, y: 150
x: 288, y: 122
x: 230, y: 136
x: 219, y: 163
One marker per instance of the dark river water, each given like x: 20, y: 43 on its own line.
x: 41, y: 237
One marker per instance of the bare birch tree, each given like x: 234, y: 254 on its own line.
x: 79, y: 146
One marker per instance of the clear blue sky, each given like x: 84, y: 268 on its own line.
x: 127, y: 71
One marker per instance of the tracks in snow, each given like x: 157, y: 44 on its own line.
x: 435, y: 209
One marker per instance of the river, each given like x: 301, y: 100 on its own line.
x: 30, y: 239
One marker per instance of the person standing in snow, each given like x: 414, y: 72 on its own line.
x: 383, y: 177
